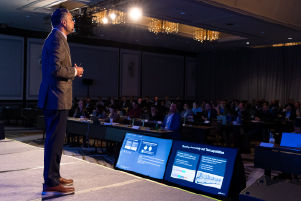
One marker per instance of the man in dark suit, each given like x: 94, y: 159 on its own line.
x: 55, y: 98
x: 172, y: 121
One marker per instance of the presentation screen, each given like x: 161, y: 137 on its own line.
x: 144, y: 155
x: 201, y: 167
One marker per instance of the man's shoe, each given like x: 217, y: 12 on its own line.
x: 57, y: 190
x: 66, y: 182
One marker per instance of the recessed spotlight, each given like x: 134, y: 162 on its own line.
x: 105, y: 20
x: 135, y: 13
x: 247, y: 43
x: 290, y: 38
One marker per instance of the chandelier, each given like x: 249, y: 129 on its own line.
x: 170, y: 27
x: 117, y: 17
x: 212, y: 35
x: 109, y: 17
x: 155, y: 25
x: 162, y: 26
x: 201, y: 35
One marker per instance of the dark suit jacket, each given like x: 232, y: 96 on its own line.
x: 57, y: 73
x: 175, y: 123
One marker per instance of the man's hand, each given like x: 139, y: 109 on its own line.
x: 80, y: 70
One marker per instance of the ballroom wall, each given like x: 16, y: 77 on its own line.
x: 247, y: 74
x: 114, y: 71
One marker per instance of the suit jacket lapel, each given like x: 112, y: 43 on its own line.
x: 67, y: 48
x: 65, y: 44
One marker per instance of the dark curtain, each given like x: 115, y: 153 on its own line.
x: 247, y: 74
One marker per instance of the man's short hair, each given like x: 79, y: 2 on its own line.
x: 57, y: 16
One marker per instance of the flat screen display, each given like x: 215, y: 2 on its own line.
x: 144, y: 155
x: 291, y: 140
x: 201, y: 167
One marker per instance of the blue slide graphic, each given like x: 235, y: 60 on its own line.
x: 144, y: 155
x: 211, y: 171
x: 202, y: 167
x: 185, y: 166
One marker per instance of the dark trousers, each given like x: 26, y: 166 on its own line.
x: 55, y: 122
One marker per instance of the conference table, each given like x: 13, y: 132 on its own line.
x: 113, y: 132
x: 196, y: 133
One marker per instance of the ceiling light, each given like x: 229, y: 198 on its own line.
x: 290, y: 38
x: 105, y: 20
x: 247, y: 43
x: 113, y: 16
x: 135, y: 13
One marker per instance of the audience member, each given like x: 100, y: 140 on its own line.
x: 172, y: 120
x: 167, y: 102
x: 196, y: 108
x: 187, y: 113
x: 298, y: 109
x: 135, y: 111
x: 113, y: 116
x: 154, y: 115
x: 99, y: 112
x: 209, y: 114
x: 156, y: 101
x: 80, y: 111
x: 88, y: 106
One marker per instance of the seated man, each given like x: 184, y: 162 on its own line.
x: 264, y: 114
x: 187, y: 113
x: 172, y: 121
x: 196, y: 108
x: 99, y: 112
x: 289, y: 113
x: 154, y: 114
x: 209, y: 113
x: 135, y: 111
x: 113, y: 116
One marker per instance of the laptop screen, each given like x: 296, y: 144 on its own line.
x: 291, y: 140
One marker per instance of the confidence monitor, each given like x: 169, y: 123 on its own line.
x: 201, y: 167
x: 144, y: 155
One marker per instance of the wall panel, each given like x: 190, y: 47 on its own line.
x: 11, y: 65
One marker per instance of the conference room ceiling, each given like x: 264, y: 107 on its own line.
x: 238, y: 26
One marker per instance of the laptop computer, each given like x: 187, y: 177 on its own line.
x: 291, y: 140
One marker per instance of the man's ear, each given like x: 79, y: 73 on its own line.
x: 64, y: 22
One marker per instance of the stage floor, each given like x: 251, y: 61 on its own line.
x: 21, y: 173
